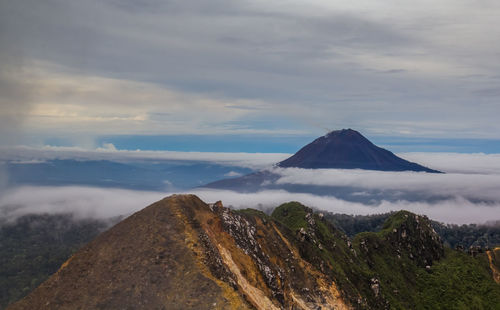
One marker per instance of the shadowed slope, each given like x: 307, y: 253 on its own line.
x: 348, y: 149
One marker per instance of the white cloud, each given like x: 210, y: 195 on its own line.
x: 232, y: 174
x: 470, y: 176
x: 469, y: 193
x: 482, y: 187
x: 83, y: 202
x: 109, y: 147
x: 455, y: 210
x: 96, y: 105
x: 457, y: 162
x: 249, y: 160
x: 88, y: 202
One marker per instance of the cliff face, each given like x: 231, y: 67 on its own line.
x: 181, y: 253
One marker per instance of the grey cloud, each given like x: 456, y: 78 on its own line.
x: 14, y: 104
x: 467, y: 193
x: 469, y: 178
x: 15, y: 99
x: 335, y: 62
x: 4, y: 177
x: 83, y: 202
x: 393, y: 71
x: 461, y: 163
x: 488, y: 92
x: 473, y: 187
x: 31, y: 154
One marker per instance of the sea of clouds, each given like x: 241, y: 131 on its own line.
x: 470, y: 188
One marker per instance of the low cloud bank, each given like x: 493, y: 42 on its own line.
x: 469, y: 189
x: 457, y: 210
x: 457, y: 162
x: 83, y: 202
x: 26, y: 154
x: 482, y: 187
x: 88, y: 202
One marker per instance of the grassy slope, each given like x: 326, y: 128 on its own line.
x: 456, y: 281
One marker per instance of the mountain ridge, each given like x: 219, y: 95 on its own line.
x: 183, y: 253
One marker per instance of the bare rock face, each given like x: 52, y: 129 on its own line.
x: 414, y: 235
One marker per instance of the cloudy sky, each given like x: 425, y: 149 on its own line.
x: 75, y: 71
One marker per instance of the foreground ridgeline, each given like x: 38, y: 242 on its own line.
x: 181, y: 253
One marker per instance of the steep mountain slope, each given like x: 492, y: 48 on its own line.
x: 181, y: 253
x: 341, y: 149
x: 348, y: 149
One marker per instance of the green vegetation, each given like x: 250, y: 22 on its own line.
x: 395, y: 221
x: 252, y: 212
x: 401, y: 265
x: 354, y: 224
x: 327, y: 248
x: 459, y: 281
x: 386, y: 264
x: 292, y: 215
x: 34, y: 246
x: 486, y: 235
x: 469, y: 235
x: 455, y: 281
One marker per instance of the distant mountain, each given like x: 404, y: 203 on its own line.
x: 181, y: 253
x: 341, y: 149
x: 348, y: 149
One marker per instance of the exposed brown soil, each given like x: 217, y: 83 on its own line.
x: 494, y: 259
x: 181, y: 253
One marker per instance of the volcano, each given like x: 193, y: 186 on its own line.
x: 340, y: 149
x: 348, y: 149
